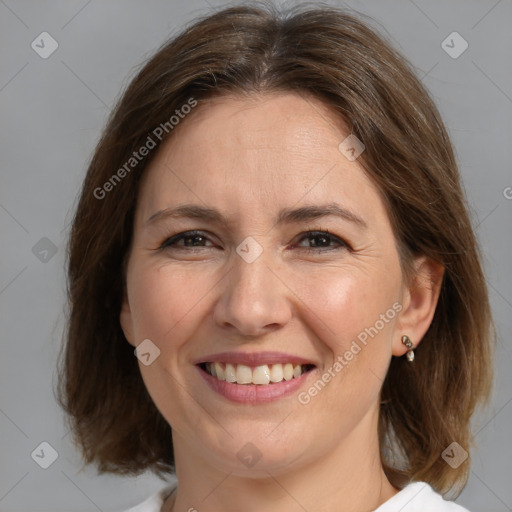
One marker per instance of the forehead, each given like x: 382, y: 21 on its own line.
x: 266, y: 124
x: 262, y: 152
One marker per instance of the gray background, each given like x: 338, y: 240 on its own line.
x: 53, y: 111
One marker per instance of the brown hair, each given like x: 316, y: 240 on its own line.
x: 334, y: 56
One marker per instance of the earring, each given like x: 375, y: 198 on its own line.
x: 408, y: 343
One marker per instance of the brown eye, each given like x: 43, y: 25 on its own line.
x: 323, y: 240
x: 190, y: 239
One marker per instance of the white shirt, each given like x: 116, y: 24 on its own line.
x: 419, y: 497
x: 415, y: 497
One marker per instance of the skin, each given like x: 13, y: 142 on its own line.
x: 249, y: 157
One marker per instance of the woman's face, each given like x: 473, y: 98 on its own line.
x: 255, y: 291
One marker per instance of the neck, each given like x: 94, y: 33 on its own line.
x: 349, y: 478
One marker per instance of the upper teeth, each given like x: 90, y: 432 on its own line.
x: 264, y: 374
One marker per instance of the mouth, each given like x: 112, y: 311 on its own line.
x: 255, y: 377
x: 261, y: 375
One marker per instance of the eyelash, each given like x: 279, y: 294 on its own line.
x: 170, y: 241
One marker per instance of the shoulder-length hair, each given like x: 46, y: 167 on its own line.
x: 333, y: 55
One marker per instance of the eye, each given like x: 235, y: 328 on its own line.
x: 322, y: 241
x: 191, y: 239
x: 319, y: 241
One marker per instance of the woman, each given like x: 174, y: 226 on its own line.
x: 273, y: 224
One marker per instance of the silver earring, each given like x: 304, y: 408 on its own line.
x: 408, y: 343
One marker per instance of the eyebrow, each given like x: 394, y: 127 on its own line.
x: 285, y: 216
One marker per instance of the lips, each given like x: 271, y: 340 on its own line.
x: 256, y: 368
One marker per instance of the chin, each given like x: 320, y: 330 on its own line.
x: 253, y: 453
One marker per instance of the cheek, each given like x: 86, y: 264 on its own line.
x: 166, y: 303
x: 352, y: 315
x: 347, y: 306
x: 163, y: 301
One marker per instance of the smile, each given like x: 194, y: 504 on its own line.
x: 262, y: 375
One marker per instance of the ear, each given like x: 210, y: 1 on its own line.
x: 126, y: 319
x: 420, y: 297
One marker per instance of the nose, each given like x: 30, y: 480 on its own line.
x: 254, y: 300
